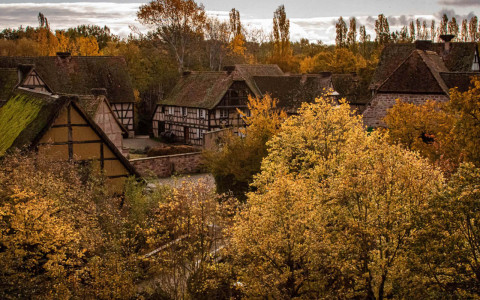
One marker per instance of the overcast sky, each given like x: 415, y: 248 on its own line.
x: 313, y: 19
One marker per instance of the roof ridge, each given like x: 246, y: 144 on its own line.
x: 435, y: 73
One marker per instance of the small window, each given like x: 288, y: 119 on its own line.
x: 184, y: 111
x: 201, y: 114
x: 224, y: 113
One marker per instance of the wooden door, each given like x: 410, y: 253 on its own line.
x: 161, y: 127
x: 185, y: 134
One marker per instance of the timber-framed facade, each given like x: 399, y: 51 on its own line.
x: 78, y: 75
x: 60, y: 130
x: 206, y: 101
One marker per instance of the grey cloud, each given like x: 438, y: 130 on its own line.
x: 460, y: 2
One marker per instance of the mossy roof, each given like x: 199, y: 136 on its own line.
x: 247, y: 72
x: 292, y: 90
x: 8, y: 82
x: 458, y: 59
x: 27, y: 116
x: 80, y: 74
x: 199, y: 89
x: 24, y: 117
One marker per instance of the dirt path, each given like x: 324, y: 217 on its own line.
x: 176, y: 181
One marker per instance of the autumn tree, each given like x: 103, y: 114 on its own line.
x: 464, y: 31
x: 217, y: 36
x: 443, y: 28
x: 473, y: 29
x: 412, y: 31
x: 453, y: 27
x: 62, y: 234
x: 334, y: 213
x: 364, y: 38
x: 448, y: 249
x: 341, y: 30
x: 237, y: 40
x: 238, y: 159
x: 282, y: 52
x: 185, y: 232
x: 352, y: 35
x: 382, y: 30
x: 446, y: 133
x: 176, y: 22
x: 433, y: 31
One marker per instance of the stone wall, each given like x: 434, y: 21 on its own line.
x: 166, y: 166
x: 377, y: 109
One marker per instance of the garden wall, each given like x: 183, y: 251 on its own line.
x: 167, y: 165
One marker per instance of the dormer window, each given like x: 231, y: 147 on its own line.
x: 476, y: 63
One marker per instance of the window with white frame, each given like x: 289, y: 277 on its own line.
x: 201, y: 113
x: 184, y: 111
x: 223, y: 113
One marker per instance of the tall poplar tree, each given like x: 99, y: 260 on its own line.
x: 352, y: 35
x: 464, y: 31
x: 473, y: 29
x: 382, y: 29
x: 341, y: 30
x: 281, y: 32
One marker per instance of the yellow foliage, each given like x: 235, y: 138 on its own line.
x: 334, y: 212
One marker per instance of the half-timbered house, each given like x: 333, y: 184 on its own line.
x: 419, y: 72
x: 206, y: 101
x: 65, y: 75
x: 60, y: 129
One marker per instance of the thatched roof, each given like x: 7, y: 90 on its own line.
x: 28, y: 115
x: 8, y: 81
x: 79, y: 74
x: 292, y: 90
x: 459, y: 58
x: 199, y: 89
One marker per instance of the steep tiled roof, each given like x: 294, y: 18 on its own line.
x: 199, y: 89
x: 292, y: 90
x: 459, y: 58
x: 419, y: 73
x: 247, y: 72
x: 462, y: 81
x: 79, y: 74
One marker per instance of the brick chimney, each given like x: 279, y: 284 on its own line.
x: 446, y: 38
